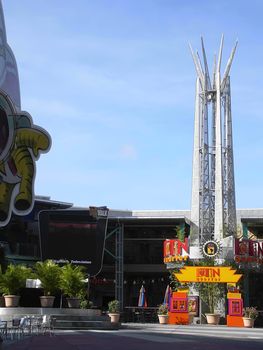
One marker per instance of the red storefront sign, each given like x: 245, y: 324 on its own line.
x: 175, y: 250
x: 248, y: 251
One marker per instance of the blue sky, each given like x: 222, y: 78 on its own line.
x: 113, y: 82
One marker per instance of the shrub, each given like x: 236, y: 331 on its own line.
x: 14, y: 279
x: 72, y: 280
x: 86, y: 304
x: 49, y: 274
x: 114, y: 306
x: 250, y: 312
x: 162, y: 309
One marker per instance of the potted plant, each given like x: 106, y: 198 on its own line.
x: 249, y: 316
x: 114, y: 310
x: 211, y: 294
x: 49, y: 274
x: 12, y: 281
x: 86, y: 304
x: 162, y: 313
x: 72, y: 283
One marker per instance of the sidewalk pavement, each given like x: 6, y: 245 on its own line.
x: 198, y: 330
x: 72, y: 340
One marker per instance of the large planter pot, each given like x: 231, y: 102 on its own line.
x: 12, y: 300
x: 73, y: 302
x: 163, y: 319
x: 114, y: 317
x: 248, y: 322
x: 213, y: 319
x: 47, y: 301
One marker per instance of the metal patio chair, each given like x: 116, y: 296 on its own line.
x: 47, y: 324
x: 3, y: 329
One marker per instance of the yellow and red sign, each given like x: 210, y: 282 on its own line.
x: 212, y: 274
x: 175, y: 250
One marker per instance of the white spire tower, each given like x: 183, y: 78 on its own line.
x: 213, y: 207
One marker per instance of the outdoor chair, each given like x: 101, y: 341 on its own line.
x: 16, y: 330
x: 47, y: 324
x: 3, y: 329
x: 148, y: 316
x: 35, y: 324
x: 139, y: 316
x: 25, y: 325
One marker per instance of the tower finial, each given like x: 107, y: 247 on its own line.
x: 228, y: 66
x: 198, y: 66
x: 220, y: 54
x: 207, y: 76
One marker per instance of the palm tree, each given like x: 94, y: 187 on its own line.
x: 49, y: 274
x: 72, y: 283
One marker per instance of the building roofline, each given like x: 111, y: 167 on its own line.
x: 47, y: 200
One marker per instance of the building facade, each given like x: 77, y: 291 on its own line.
x: 133, y: 254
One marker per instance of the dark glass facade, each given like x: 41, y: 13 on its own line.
x: 142, y: 259
x: 19, y: 240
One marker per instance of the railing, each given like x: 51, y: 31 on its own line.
x: 137, y: 314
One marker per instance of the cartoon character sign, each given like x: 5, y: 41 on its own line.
x: 21, y: 143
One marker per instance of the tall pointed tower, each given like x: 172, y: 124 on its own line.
x: 213, y: 207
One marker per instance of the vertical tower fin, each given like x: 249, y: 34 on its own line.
x: 228, y: 66
x: 195, y: 201
x: 206, y: 66
x: 220, y: 54
x: 198, y: 67
x: 214, y: 72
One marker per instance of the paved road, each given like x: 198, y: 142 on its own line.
x: 147, y: 338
